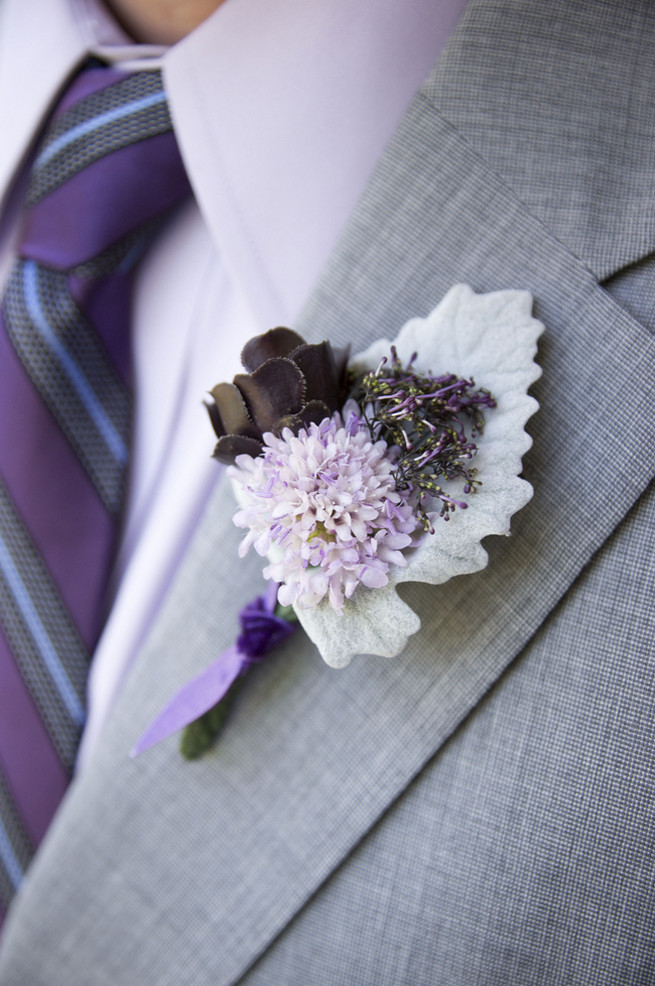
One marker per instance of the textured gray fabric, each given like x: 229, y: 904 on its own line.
x: 568, y: 90
x: 548, y: 788
x: 448, y: 816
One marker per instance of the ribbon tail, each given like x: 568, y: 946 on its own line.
x: 194, y: 699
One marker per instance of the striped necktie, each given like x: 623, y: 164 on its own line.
x: 105, y: 174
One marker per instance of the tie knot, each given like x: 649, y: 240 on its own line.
x: 106, y: 170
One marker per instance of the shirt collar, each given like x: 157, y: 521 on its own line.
x: 281, y: 111
x: 45, y: 36
x: 41, y: 45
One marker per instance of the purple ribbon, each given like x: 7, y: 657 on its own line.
x: 261, y: 632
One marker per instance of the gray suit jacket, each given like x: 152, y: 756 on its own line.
x: 479, y: 810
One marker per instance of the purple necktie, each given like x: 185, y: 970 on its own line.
x: 105, y: 175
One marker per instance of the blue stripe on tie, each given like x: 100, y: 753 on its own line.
x: 82, y: 129
x: 113, y: 440
x: 131, y: 257
x: 9, y: 858
x: 40, y: 637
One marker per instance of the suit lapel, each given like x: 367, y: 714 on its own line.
x: 557, y: 98
x: 313, y: 757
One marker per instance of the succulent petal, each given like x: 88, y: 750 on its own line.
x: 276, y: 342
x: 230, y: 410
x: 228, y: 447
x: 275, y: 388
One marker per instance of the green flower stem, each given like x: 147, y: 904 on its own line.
x: 201, y: 734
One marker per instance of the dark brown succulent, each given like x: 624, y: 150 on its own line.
x: 288, y: 384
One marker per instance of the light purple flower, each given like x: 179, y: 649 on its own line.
x: 324, y: 508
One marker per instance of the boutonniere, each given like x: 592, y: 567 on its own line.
x: 354, y: 475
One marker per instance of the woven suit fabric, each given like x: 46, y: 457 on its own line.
x: 105, y: 175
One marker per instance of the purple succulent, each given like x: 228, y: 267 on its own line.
x: 289, y: 383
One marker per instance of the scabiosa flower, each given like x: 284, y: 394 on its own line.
x: 323, y: 506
